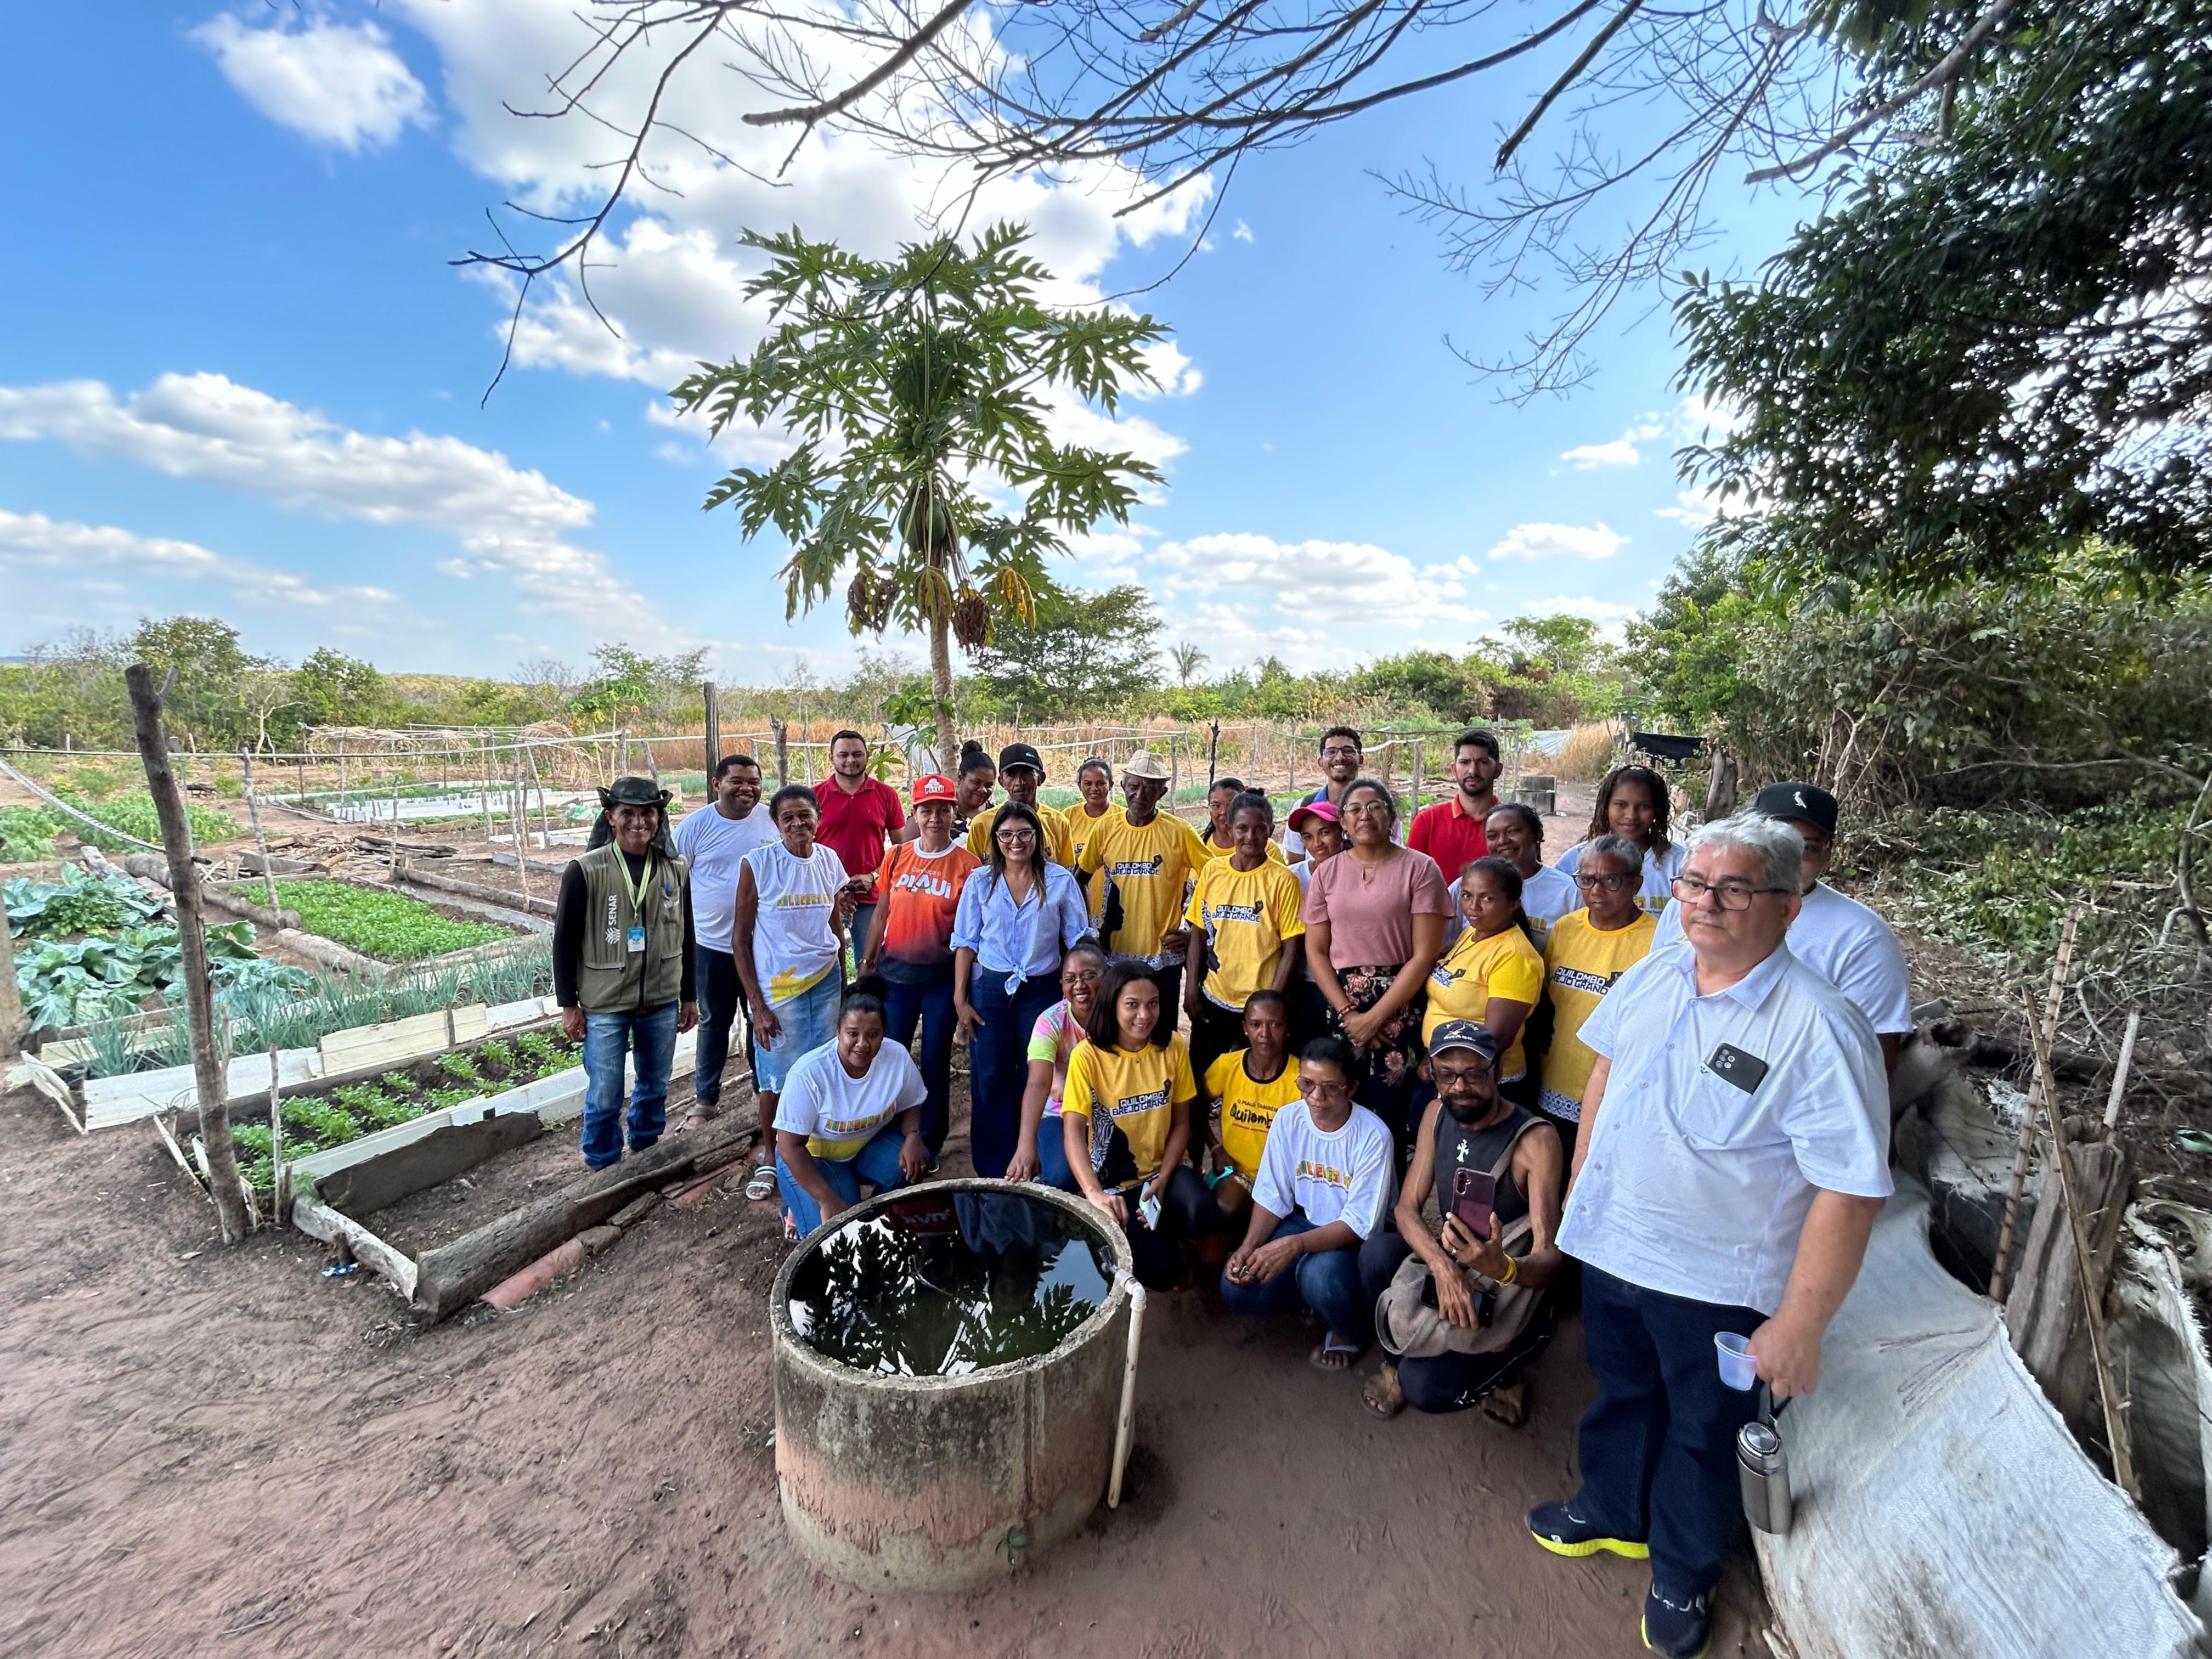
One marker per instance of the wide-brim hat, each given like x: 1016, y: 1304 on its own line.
x: 634, y: 792
x: 1145, y: 764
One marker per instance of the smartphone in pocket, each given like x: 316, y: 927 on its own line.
x: 1474, y: 1192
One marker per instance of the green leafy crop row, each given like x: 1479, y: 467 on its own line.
x: 388, y: 925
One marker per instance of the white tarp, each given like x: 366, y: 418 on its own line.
x: 1943, y: 1511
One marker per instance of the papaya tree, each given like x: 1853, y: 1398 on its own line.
x: 916, y: 389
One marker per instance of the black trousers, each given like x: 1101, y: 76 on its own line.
x: 1451, y: 1381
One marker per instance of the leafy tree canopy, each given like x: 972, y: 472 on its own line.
x: 1085, y: 651
x: 1993, y: 354
x: 331, y: 688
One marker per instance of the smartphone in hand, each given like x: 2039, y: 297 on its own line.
x: 1474, y: 1192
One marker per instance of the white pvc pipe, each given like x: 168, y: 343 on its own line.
x: 1127, y: 1424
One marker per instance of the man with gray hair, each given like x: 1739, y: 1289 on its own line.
x: 1734, y: 1155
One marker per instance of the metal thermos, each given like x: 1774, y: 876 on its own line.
x: 1762, y: 1466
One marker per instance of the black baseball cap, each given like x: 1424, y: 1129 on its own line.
x: 1021, y: 754
x: 1807, y: 803
x: 1465, y: 1033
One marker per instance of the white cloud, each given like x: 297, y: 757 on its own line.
x: 209, y: 428
x: 1242, y: 233
x: 1621, y: 452
x: 336, y: 83
x: 1316, y: 585
x: 64, y: 551
x: 1559, y: 541
x: 671, y: 279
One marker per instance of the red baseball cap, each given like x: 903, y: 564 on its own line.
x: 932, y: 786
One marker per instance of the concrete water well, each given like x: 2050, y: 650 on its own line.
x: 940, y: 1483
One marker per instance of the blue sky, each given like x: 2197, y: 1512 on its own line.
x: 241, y: 378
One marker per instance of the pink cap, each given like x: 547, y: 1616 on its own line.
x: 1325, y: 810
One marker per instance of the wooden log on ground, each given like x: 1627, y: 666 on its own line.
x: 146, y: 864
x: 454, y: 1275
x: 329, y: 952
x: 207, y: 1069
x: 482, y: 895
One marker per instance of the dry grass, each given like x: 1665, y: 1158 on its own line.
x: 1586, y: 754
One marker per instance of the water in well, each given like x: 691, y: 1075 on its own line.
x: 943, y: 1284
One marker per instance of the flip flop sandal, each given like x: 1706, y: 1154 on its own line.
x: 760, y: 1185
x: 1382, y: 1396
x: 1507, y: 1405
x: 1324, y: 1358
x: 699, y: 1118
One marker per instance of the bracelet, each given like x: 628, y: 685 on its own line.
x: 1512, y: 1271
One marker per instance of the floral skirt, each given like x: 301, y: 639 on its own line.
x: 1387, y: 1072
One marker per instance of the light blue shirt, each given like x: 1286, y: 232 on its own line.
x: 1027, y: 940
x: 1697, y: 1186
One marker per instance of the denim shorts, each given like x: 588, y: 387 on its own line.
x: 809, y: 1020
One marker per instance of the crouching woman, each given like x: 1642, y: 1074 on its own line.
x: 1125, y: 1119
x: 850, y: 1113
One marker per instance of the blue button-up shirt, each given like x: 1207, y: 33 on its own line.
x: 1697, y: 1185
x: 1028, y: 939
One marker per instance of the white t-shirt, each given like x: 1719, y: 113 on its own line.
x: 1722, y: 1114
x: 1660, y: 870
x: 1847, y: 945
x: 1349, y: 1176
x: 716, y: 844
x: 838, y: 1112
x: 795, y: 935
x: 1544, y: 897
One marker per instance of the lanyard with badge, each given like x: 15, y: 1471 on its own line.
x: 635, y: 941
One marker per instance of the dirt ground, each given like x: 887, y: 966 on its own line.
x: 214, y: 1451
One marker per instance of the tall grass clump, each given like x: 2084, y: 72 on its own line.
x: 1586, y: 753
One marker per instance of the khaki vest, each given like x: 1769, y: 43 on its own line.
x: 610, y: 978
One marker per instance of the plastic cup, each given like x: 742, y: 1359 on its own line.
x: 1738, y: 1369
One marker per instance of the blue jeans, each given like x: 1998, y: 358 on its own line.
x: 607, y: 1038
x: 927, y: 1002
x: 1327, y: 1281
x: 809, y: 1020
x: 721, y: 1005
x: 1657, y: 1448
x: 876, y: 1164
x: 1052, y: 1154
x: 999, y: 1064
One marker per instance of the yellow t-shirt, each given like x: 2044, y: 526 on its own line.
x: 1580, y: 965
x: 1248, y: 1108
x: 1114, y: 1088
x: 1274, y: 849
x: 1475, y: 970
x: 1247, y: 914
x: 1082, y: 826
x: 1151, y: 869
x: 1058, y: 849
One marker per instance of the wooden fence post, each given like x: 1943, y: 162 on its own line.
x: 714, y: 732
x: 208, y: 1068
x: 260, y: 841
x: 1212, y: 753
x: 783, y: 749
x: 11, y: 1005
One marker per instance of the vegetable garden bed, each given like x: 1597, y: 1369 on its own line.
x: 380, y: 923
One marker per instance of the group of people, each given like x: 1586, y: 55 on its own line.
x: 1431, y: 1088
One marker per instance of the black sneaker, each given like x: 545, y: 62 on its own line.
x: 1680, y: 1630
x: 1560, y: 1530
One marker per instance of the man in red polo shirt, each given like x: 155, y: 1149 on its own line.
x: 860, y: 816
x: 1451, y: 832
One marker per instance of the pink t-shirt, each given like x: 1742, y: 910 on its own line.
x: 1370, y: 910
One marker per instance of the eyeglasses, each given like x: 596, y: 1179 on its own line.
x: 1366, y: 809
x: 1729, y: 895
x: 1340, y: 752
x: 1607, y: 883
x: 1014, y: 837
x: 1322, y: 1086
